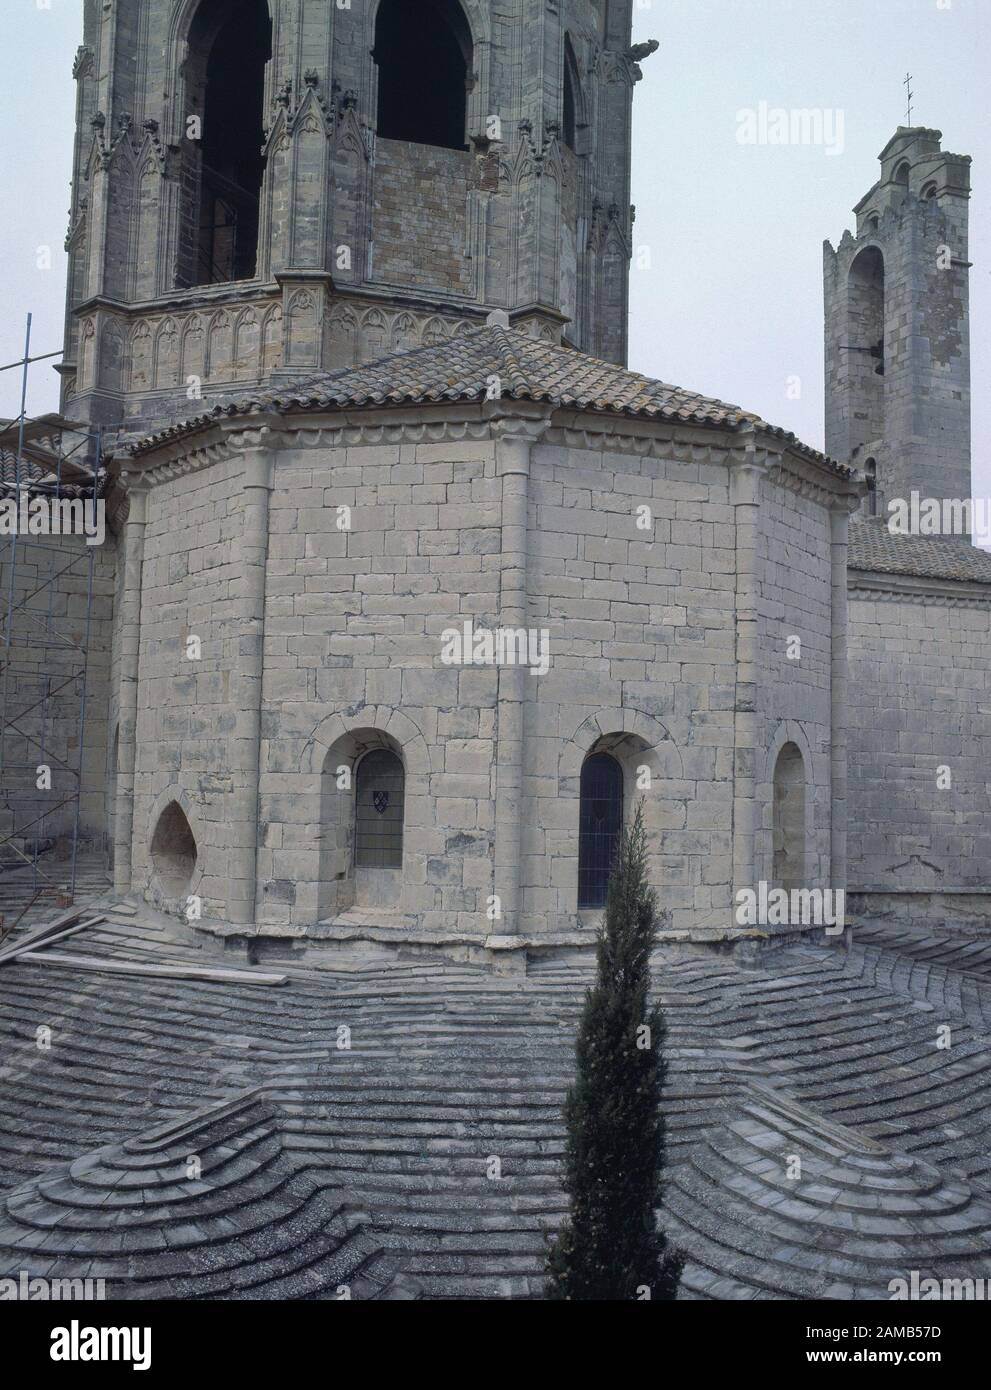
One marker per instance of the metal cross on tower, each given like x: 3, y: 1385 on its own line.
x: 910, y: 94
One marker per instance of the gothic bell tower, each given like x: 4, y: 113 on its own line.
x: 898, y: 326
x: 264, y: 190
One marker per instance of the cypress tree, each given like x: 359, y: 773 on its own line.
x: 609, y: 1247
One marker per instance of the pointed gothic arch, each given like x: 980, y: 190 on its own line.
x: 140, y: 354
x: 413, y: 38
x: 271, y: 339
x: 173, y: 851
x: 166, y: 355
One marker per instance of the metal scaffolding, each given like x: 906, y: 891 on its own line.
x: 44, y: 652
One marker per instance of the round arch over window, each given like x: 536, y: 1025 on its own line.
x: 423, y: 51
x: 600, y: 826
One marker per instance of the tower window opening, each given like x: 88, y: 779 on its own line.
x: 866, y: 347
x: 569, y: 121
x: 229, y: 46
x: 423, y: 51
x: 870, y: 472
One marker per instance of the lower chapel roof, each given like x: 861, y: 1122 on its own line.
x: 874, y: 548
x: 486, y: 364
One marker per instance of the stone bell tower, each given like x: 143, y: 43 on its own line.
x: 898, y: 326
x: 268, y: 190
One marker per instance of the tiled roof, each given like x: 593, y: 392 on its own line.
x: 70, y: 481
x: 874, y: 547
x: 479, y: 365
x: 28, y: 472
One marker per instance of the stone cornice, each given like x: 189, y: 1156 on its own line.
x: 412, y: 426
x: 807, y: 477
x: 200, y: 297
x: 438, y: 423
x: 176, y: 460
x: 894, y: 588
x: 628, y: 434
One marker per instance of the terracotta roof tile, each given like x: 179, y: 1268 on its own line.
x: 461, y: 369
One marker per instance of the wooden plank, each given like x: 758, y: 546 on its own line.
x: 167, y: 970
x: 43, y: 936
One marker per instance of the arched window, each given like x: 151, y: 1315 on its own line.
x: 870, y: 472
x: 569, y: 122
x: 788, y: 869
x: 423, y: 51
x: 380, y: 786
x: 229, y: 43
x: 901, y: 173
x: 600, y: 825
x: 864, y: 349
x: 867, y: 309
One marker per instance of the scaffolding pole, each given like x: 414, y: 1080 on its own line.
x: 44, y: 653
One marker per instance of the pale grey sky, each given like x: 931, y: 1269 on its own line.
x: 731, y: 303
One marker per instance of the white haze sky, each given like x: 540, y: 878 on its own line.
x: 732, y: 302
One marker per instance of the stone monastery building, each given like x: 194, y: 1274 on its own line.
x: 412, y: 590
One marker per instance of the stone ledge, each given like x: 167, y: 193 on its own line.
x: 398, y: 930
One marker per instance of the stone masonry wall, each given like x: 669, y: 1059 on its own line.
x: 920, y: 678
x: 641, y: 630
x: 419, y: 216
x: 795, y: 701
x: 353, y: 641
x: 190, y: 711
x: 374, y: 551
